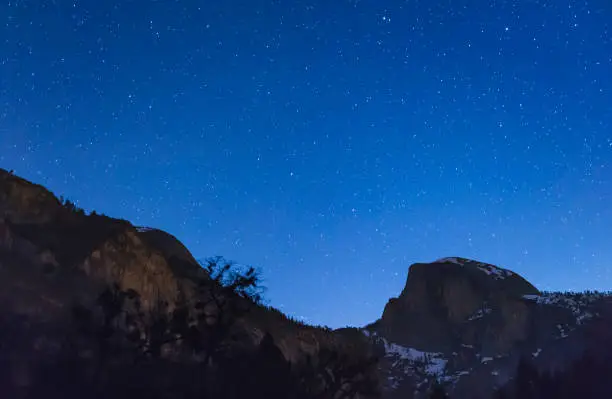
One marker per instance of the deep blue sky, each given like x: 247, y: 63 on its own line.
x: 331, y: 143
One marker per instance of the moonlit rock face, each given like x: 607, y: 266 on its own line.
x: 495, y: 271
x: 491, y: 270
x: 458, y: 320
x: 456, y: 261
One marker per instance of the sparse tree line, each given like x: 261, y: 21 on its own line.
x: 194, y: 350
x: 578, y: 294
x: 587, y: 377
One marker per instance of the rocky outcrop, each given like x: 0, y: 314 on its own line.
x: 168, y: 245
x: 24, y: 202
x: 37, y: 230
x: 440, y: 298
x: 53, y: 256
x: 461, y: 322
x: 466, y: 324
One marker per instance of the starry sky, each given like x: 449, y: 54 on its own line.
x: 330, y: 143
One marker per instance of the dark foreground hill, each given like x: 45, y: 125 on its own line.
x: 92, y: 306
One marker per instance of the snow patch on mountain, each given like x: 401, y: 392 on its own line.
x: 420, y: 366
x: 431, y: 363
x: 456, y: 261
x: 480, y: 313
x: 577, y: 303
x: 494, y: 271
x: 406, y: 362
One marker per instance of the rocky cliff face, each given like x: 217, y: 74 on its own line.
x: 467, y: 323
x: 53, y: 257
x: 438, y: 299
x: 457, y: 321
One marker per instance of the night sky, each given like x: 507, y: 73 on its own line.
x: 330, y: 143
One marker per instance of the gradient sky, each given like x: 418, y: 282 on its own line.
x: 331, y: 143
